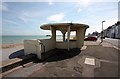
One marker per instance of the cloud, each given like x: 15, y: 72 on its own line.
x: 30, y: 15
x: 83, y: 1
x: 67, y: 21
x: 110, y: 22
x: 119, y: 10
x: 10, y: 21
x: 50, y: 2
x: 23, y: 16
x: 24, y: 19
x: 82, y: 4
x: 98, y: 25
x: 3, y: 6
x: 79, y: 9
x: 56, y: 17
x: 106, y: 24
x: 60, y: 0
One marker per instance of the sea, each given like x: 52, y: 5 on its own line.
x: 19, y: 39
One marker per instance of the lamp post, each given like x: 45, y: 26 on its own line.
x: 102, y: 32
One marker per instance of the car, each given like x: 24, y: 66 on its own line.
x: 92, y: 38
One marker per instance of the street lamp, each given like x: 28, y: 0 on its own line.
x: 102, y: 32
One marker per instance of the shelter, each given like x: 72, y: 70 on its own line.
x: 40, y: 46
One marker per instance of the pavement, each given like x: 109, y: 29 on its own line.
x: 114, y: 42
x: 6, y: 53
x: 103, y: 62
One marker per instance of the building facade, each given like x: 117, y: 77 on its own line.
x: 112, y: 31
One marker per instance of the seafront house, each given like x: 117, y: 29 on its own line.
x: 41, y: 46
x: 113, y: 31
x: 117, y: 32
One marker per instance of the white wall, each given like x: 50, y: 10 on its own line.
x: 32, y: 46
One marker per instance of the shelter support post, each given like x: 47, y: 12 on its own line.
x: 53, y: 38
x: 68, y: 38
x: 63, y: 33
x: 80, y: 37
x: 63, y: 37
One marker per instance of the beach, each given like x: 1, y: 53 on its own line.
x: 9, y: 49
x: 5, y: 46
x: 13, y: 43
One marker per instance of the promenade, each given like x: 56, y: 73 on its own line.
x: 94, y: 60
x: 114, y: 42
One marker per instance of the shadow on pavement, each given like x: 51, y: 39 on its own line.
x: 61, y: 54
x: 17, y: 54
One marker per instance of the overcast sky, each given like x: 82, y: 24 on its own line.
x: 25, y: 18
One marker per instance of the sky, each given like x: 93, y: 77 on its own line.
x: 25, y: 18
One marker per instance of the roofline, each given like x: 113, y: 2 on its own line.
x: 67, y: 24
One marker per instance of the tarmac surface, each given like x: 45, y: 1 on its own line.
x: 72, y: 64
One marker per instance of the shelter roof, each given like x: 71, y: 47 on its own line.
x: 61, y: 26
